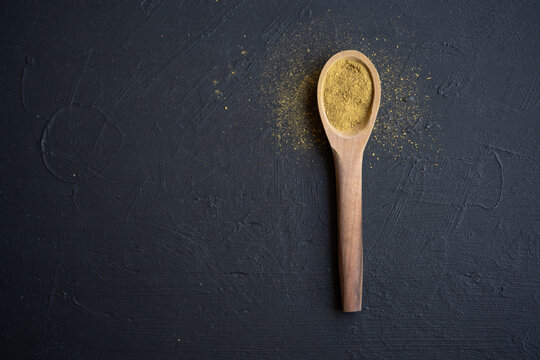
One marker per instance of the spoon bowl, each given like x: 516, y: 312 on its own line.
x: 348, y: 151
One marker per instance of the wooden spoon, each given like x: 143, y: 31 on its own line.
x: 348, y: 150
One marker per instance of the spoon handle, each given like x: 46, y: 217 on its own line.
x: 350, y: 252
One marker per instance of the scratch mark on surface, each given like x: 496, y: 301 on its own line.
x: 223, y: 19
x: 173, y: 231
x: 151, y: 10
x: 83, y: 307
x: 26, y: 80
x: 125, y: 89
x: 277, y: 27
x: 501, y: 185
x: 531, y: 93
x: 76, y: 88
x: 335, y: 29
x: 511, y: 152
x: 53, y: 286
x: 131, y: 206
x: 182, y: 49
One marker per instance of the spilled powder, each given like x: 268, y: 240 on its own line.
x: 347, y: 95
x: 404, y: 127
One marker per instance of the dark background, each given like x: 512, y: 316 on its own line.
x: 141, y: 219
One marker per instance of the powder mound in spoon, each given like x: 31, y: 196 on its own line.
x: 347, y: 94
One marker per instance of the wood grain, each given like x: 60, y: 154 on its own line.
x: 348, y: 153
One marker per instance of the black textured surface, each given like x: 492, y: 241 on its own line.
x: 140, y: 219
